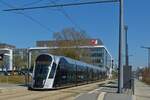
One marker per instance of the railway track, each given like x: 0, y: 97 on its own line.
x: 62, y: 94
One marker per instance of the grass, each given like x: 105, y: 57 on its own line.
x: 16, y: 79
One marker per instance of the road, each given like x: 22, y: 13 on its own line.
x: 62, y: 94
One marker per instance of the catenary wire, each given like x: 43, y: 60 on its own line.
x: 62, y: 5
x: 67, y: 15
x: 27, y: 16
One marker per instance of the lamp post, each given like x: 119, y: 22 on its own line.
x: 148, y: 48
x: 126, y: 45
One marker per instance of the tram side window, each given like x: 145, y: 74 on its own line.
x: 51, y: 75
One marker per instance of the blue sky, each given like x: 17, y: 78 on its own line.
x: 99, y: 21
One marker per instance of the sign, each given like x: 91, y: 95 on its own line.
x: 1, y: 56
x: 94, y: 42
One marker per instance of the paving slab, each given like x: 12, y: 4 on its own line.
x: 88, y: 96
x: 116, y: 96
x: 142, y: 90
x: 4, y: 87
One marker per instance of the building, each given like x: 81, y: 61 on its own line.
x: 4, y: 45
x: 99, y: 55
x: 13, y: 58
x: 54, y: 43
x: 6, y: 51
x: 20, y: 56
x: 22, y: 52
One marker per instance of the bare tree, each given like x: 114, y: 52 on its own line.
x: 69, y: 41
x: 19, y: 62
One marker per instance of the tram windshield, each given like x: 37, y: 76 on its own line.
x: 41, y: 66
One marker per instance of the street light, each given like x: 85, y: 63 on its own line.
x: 148, y: 48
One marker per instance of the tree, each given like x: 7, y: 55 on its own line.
x: 68, y: 42
x: 33, y: 58
x: 19, y: 62
x: 146, y: 75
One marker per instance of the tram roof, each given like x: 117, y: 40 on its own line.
x: 73, y: 61
x: 70, y: 60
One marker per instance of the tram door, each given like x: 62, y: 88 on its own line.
x: 49, y: 82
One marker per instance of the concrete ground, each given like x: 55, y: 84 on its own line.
x: 94, y: 94
x: 4, y: 87
x: 106, y: 92
x: 142, y: 91
x: 12, y: 92
x: 116, y: 96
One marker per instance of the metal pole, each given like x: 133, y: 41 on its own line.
x: 149, y: 57
x: 26, y: 74
x: 148, y: 60
x: 121, y: 32
x: 126, y: 40
x: 10, y: 59
x: 29, y: 65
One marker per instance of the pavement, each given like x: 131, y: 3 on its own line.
x: 116, y: 96
x: 4, y: 87
x: 142, y: 90
x: 95, y: 91
x: 106, y: 92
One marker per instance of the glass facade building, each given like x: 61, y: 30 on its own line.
x: 98, y: 53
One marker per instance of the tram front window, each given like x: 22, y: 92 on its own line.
x: 41, y: 69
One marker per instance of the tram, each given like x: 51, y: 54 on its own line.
x: 54, y: 72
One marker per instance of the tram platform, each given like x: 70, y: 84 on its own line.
x: 115, y: 96
x: 106, y: 92
x: 142, y: 90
